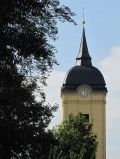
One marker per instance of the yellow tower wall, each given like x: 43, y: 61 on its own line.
x: 94, y: 105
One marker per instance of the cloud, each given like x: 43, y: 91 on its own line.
x: 110, y: 67
x: 113, y: 153
x: 53, y: 93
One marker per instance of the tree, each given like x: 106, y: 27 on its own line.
x: 26, y: 27
x: 75, y: 139
x: 23, y: 120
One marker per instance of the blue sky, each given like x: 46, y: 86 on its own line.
x: 102, y: 31
x: 103, y: 38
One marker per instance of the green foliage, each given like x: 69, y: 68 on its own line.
x: 75, y: 139
x: 26, y: 27
x: 23, y: 120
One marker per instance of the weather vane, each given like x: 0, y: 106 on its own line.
x: 83, y: 21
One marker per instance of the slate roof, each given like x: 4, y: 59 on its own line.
x: 80, y: 75
x: 84, y: 73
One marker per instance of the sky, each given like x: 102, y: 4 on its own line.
x: 103, y: 38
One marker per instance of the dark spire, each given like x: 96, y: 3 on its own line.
x: 83, y: 58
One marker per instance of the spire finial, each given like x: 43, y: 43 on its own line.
x: 83, y: 21
x: 83, y: 58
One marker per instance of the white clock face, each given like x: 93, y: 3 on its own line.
x: 84, y: 93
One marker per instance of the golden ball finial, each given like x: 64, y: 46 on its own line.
x: 83, y: 22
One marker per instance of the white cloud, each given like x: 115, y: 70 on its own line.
x: 110, y: 67
x: 113, y: 153
x: 53, y: 93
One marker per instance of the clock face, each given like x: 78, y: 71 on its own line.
x: 84, y: 93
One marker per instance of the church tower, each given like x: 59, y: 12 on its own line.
x: 84, y: 90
